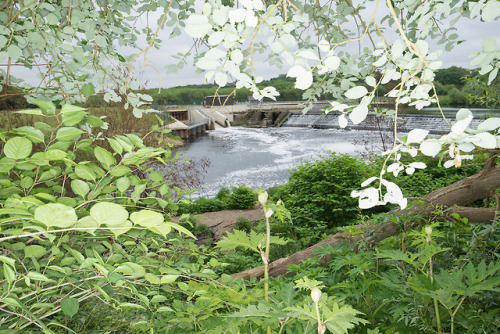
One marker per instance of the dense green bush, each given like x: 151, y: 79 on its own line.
x: 242, y: 198
x: 318, y: 193
x: 236, y: 198
x: 201, y: 205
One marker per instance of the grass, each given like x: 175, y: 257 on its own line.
x: 120, y: 121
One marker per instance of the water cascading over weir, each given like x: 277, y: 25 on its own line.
x: 435, y: 124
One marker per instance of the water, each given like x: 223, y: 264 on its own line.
x: 262, y: 158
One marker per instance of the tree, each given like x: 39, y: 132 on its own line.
x: 452, y: 75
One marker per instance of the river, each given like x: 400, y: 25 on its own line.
x: 263, y: 157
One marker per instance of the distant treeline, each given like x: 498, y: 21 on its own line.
x: 456, y: 86
x: 196, y: 93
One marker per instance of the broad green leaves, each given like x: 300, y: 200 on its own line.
x: 80, y: 187
x: 18, y: 148
x: 110, y: 214
x: 35, y: 135
x: 56, y: 215
x: 70, y: 306
x: 104, y: 157
x: 68, y: 133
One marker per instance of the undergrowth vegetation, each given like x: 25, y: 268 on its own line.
x: 87, y: 245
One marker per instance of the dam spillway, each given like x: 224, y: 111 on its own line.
x: 435, y: 124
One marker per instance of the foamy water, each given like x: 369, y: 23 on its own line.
x: 263, y: 158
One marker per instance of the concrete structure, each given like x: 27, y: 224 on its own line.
x: 189, y: 123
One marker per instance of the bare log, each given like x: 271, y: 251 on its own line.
x: 454, y: 196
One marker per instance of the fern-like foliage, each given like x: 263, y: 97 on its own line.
x: 254, y: 241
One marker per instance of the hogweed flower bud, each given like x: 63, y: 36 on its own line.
x: 263, y: 198
x: 428, y: 232
x: 315, y: 295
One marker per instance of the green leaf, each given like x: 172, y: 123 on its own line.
x: 101, y: 41
x: 253, y: 241
x: 80, y: 187
x: 47, y: 106
x: 14, y: 52
x: 123, y: 184
x: 18, y: 148
x: 38, y: 277
x: 55, y: 214
x: 489, y: 44
x: 88, y: 89
x: 66, y: 108
x: 94, y: 121
x: 162, y: 230
x: 50, y: 174
x: 8, y: 260
x: 177, y: 227
x: 153, y: 279
x: 85, y: 172
x: 131, y: 269
x: 68, y: 133
x: 88, y: 223
x: 165, y: 309
x: 110, y: 214
x: 158, y: 299
x: 147, y: 218
x: 123, y: 228
x: 29, y: 112
x: 197, y: 26
x: 156, y: 177
x: 131, y: 305
x: 104, y: 157
x: 137, y: 112
x: 6, y: 164
x: 120, y: 171
x: 26, y: 182
x: 36, y: 136
x: 55, y: 154
x: 72, y: 118
x: 166, y: 279
x: 69, y: 306
x: 115, y: 145
x: 9, y: 273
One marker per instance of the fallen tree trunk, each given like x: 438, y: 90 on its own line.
x: 454, y: 197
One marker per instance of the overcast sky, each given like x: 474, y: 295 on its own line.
x: 473, y: 32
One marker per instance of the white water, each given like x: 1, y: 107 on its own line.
x: 262, y: 158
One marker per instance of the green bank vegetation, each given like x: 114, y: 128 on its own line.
x: 456, y: 87
x: 86, y: 247
x: 87, y: 242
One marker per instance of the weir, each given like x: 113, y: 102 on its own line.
x: 188, y: 123
x: 435, y: 124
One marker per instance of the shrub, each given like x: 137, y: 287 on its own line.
x: 223, y: 194
x: 318, y: 193
x: 201, y: 205
x: 242, y: 198
x: 243, y: 224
